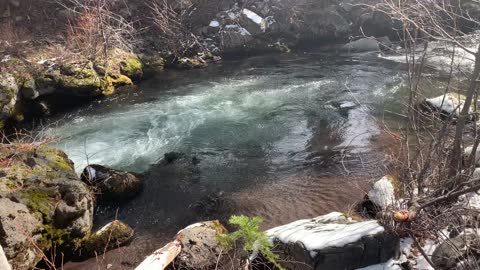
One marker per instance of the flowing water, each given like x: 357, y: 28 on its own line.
x: 279, y: 136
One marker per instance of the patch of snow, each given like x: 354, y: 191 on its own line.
x: 347, y: 104
x: 244, y: 32
x: 466, y: 154
x: 382, y: 193
x: 104, y: 228
x: 476, y: 172
x: 429, y: 248
x: 214, y: 23
x: 253, y: 16
x: 232, y: 16
x: 238, y: 29
x: 390, y: 265
x: 471, y: 200
x: 450, y: 103
x: 332, y: 230
x: 198, y: 224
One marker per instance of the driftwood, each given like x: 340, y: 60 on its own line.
x: 161, y: 258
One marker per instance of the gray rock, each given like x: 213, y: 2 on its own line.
x: 455, y: 253
x: 234, y: 36
x: 200, y: 247
x: 18, y: 228
x: 333, y: 242
x: 368, y: 44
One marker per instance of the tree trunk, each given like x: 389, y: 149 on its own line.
x: 456, y: 154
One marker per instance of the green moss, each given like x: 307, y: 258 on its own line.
x: 56, y: 158
x: 131, y: 67
x: 83, y: 87
x: 53, y: 237
x: 190, y: 63
x: 10, y: 183
x: 39, y: 201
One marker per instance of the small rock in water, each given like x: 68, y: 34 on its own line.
x: 111, y: 184
x: 110, y: 236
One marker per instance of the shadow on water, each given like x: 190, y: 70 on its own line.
x: 279, y: 136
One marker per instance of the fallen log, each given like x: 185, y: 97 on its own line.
x: 161, y: 258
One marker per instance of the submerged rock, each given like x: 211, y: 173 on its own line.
x: 333, y: 241
x: 111, y: 184
x: 200, y: 246
x: 43, y: 203
x: 113, y: 235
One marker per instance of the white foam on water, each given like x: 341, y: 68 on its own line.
x: 138, y: 135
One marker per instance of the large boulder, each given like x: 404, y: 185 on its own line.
x: 111, y: 184
x: 333, y: 241
x: 43, y: 204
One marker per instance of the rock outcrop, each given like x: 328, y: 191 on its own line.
x: 333, y: 241
x: 30, y: 88
x: 43, y: 204
x: 110, y: 184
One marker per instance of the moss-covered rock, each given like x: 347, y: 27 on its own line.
x: 110, y: 236
x: 79, y: 80
x: 57, y: 206
x: 131, y: 67
x: 190, y: 63
x: 153, y: 64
